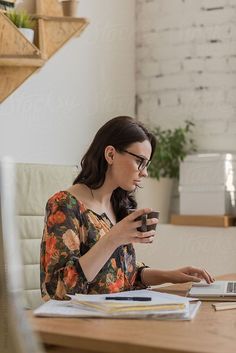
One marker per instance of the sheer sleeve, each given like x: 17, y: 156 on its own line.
x: 60, y: 270
x: 138, y: 284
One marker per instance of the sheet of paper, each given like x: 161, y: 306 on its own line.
x: 157, y: 297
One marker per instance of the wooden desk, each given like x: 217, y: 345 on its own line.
x: 208, y: 332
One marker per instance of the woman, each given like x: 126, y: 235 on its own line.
x: 88, y: 235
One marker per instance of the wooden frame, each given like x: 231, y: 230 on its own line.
x: 19, y: 58
x: 204, y: 221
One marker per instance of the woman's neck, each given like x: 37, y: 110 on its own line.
x: 101, y: 197
x: 98, y: 200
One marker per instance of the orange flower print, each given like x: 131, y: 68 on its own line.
x: 120, y: 273
x: 56, y: 218
x: 51, y: 242
x: 54, y: 207
x: 113, y: 263
x: 94, y: 220
x: 76, y: 223
x: 115, y: 287
x: 59, y: 217
x: 118, y: 285
x: 82, y: 207
x: 50, y: 250
x: 70, y: 277
x: 60, y: 290
x: 58, y: 197
x: 83, y: 232
x: 71, y: 240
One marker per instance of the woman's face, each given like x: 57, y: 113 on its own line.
x: 129, y: 167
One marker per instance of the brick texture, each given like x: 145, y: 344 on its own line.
x: 186, y: 68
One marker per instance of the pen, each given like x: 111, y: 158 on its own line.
x: 140, y: 299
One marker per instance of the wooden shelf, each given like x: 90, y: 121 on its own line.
x: 19, y: 58
x: 16, y: 61
x: 54, y: 32
x: 204, y: 221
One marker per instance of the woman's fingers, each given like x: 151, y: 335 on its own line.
x: 137, y: 213
x: 148, y: 222
x: 204, y: 275
x: 210, y: 276
x: 191, y: 274
x: 130, y: 228
x: 201, y: 273
x: 151, y: 221
x: 146, y: 240
x: 145, y: 237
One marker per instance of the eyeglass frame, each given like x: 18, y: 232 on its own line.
x: 142, y: 160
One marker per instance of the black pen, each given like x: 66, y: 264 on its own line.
x: 140, y: 299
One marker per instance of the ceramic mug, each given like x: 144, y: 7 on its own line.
x: 144, y: 227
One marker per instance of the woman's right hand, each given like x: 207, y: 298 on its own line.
x: 125, y: 231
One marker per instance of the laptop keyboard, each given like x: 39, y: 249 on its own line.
x: 231, y: 287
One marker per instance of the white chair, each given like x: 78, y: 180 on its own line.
x: 35, y: 183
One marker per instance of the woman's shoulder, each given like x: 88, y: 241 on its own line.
x: 66, y: 199
x: 59, y: 197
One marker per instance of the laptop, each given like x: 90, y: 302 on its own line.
x: 219, y: 290
x: 16, y: 335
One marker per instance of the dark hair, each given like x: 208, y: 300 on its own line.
x: 120, y: 132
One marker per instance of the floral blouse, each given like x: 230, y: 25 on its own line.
x: 70, y: 231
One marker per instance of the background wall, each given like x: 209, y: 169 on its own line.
x: 186, y: 67
x: 52, y: 117
x: 177, y: 246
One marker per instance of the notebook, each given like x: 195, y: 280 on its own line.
x: 219, y: 290
x: 16, y: 335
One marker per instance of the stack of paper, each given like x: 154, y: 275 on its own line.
x: 138, y: 303
x: 130, y: 304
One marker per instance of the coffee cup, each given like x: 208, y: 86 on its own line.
x: 143, y: 218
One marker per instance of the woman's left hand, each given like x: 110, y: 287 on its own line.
x: 189, y: 274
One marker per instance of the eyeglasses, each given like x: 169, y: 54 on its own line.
x: 142, y: 163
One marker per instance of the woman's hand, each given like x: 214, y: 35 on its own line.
x: 125, y: 231
x: 153, y: 277
x: 189, y: 274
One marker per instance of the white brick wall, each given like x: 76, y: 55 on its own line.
x: 186, y: 67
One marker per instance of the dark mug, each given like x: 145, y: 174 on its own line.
x: 144, y: 227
